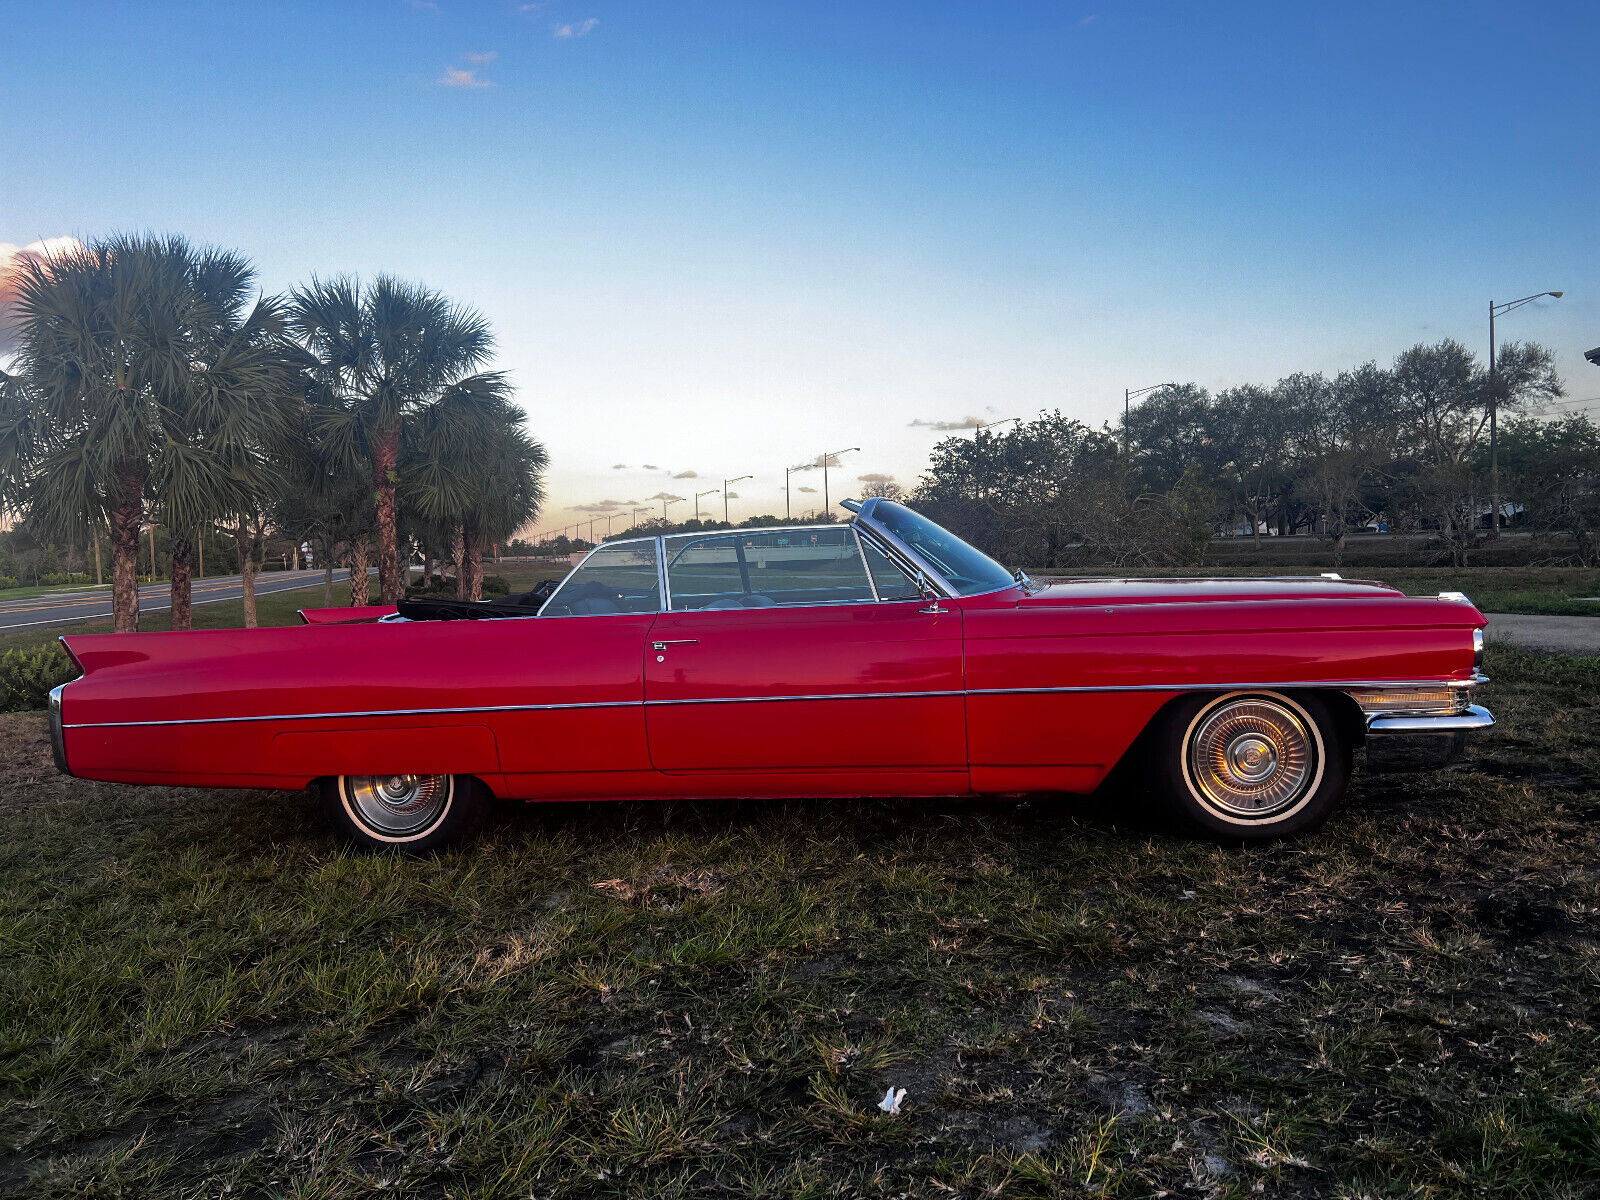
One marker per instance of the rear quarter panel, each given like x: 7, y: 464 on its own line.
x: 279, y: 707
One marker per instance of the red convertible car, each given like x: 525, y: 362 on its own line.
x: 883, y: 657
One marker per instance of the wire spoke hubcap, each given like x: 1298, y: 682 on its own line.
x: 398, y: 804
x: 1252, y: 758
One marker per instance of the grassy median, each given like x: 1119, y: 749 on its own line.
x: 201, y: 993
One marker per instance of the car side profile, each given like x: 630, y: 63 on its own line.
x: 879, y: 657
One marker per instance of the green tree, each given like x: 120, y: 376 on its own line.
x: 383, y: 351
x: 471, y: 467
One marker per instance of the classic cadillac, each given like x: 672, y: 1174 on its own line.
x: 883, y: 657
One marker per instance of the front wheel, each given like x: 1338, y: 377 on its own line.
x: 404, y: 812
x: 1251, y: 765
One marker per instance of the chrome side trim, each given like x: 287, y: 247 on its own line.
x: 350, y: 716
x: 1476, y: 717
x: 1184, y: 686
x: 58, y: 740
x: 821, y: 696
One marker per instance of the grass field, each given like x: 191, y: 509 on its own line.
x: 201, y: 994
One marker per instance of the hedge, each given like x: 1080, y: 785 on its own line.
x: 26, y: 676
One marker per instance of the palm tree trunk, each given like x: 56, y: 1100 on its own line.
x: 359, y: 593
x: 200, y: 553
x: 385, y: 459
x: 125, y: 520
x: 182, y: 612
x: 459, y: 549
x: 427, y: 567
x: 474, y: 562
x: 247, y: 572
x: 99, y: 573
x: 325, y: 549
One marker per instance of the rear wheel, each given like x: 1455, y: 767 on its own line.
x: 409, y: 812
x: 1251, y: 765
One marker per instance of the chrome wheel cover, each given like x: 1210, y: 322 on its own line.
x: 397, y: 806
x: 1252, y: 758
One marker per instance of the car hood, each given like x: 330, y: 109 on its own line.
x: 1082, y: 590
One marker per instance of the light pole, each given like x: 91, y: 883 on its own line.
x: 697, y: 495
x: 666, y: 500
x: 991, y: 425
x: 1127, y: 406
x: 1500, y: 310
x: 788, y: 471
x: 725, y: 484
x: 826, y: 507
x: 635, y: 517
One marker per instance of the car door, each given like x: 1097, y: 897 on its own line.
x: 776, y: 654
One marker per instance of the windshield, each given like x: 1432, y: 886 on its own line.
x: 969, y: 571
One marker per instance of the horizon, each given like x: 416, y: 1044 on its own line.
x: 723, y: 239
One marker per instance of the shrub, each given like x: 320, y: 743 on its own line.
x: 26, y: 676
x: 496, y: 585
x: 57, y: 578
x: 9, y: 581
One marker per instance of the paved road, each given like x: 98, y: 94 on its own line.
x: 1563, y: 635
x: 64, y: 608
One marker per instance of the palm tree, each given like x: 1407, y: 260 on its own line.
x: 472, y: 467
x: 237, y: 404
x: 384, y: 351
x: 101, y: 343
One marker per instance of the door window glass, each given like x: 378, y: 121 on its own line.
x: 765, y: 568
x: 893, y: 583
x: 614, y: 579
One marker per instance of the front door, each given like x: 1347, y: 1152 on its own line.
x: 778, y: 656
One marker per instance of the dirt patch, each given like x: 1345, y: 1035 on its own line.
x: 31, y: 770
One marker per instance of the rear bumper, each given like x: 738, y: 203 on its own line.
x: 58, y: 736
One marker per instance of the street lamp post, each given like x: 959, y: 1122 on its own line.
x: 666, y: 500
x: 635, y: 517
x: 991, y: 426
x: 787, y: 471
x: 1127, y: 406
x: 697, y: 495
x: 1500, y: 310
x: 827, y: 507
x: 725, y: 484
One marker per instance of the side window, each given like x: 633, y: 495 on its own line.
x: 614, y: 579
x: 765, y: 568
x: 893, y: 583
x: 703, y: 572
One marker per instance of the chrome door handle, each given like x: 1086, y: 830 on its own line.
x: 674, y: 642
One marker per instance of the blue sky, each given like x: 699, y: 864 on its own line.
x: 724, y: 237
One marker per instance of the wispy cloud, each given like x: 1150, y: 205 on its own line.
x: 1089, y: 20
x: 576, y: 29
x: 619, y: 466
x: 687, y: 475
x: 481, y: 56
x: 875, y: 477
x: 530, y: 8
x: 424, y: 5
x: 458, y: 77
x: 649, y: 467
x: 950, y: 426
x: 668, y: 496
x: 809, y: 490
x: 602, y: 506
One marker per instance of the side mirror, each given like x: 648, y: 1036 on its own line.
x: 929, y: 593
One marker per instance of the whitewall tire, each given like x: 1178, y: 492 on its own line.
x: 1251, y: 765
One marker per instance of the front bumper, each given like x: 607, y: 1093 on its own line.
x: 1422, y: 741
